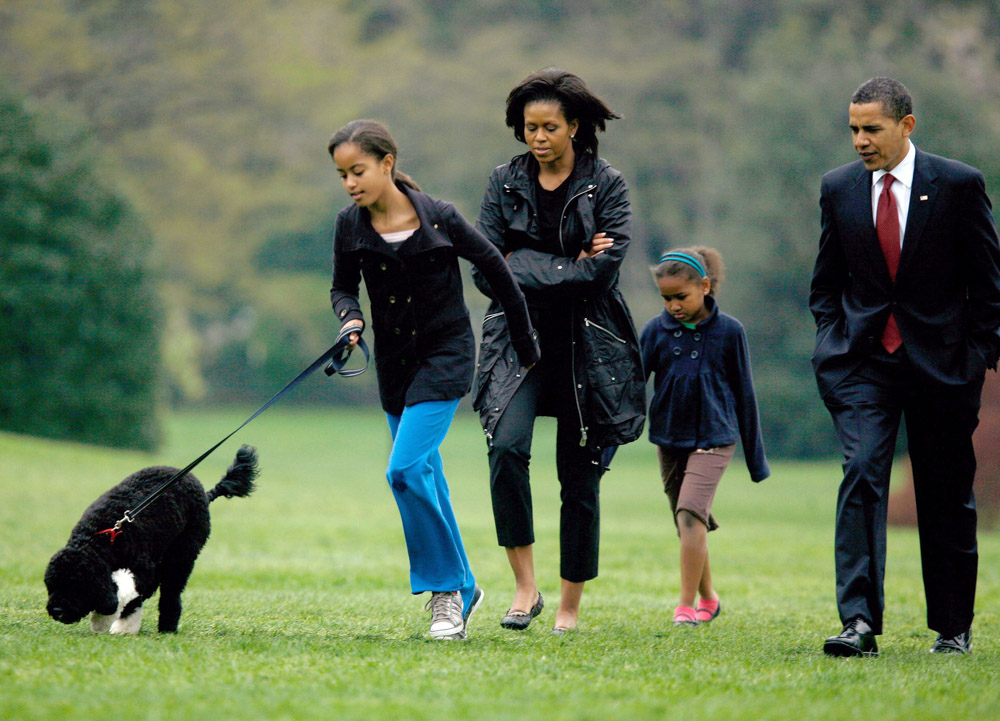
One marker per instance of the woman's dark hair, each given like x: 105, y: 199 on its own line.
x: 710, y: 259
x: 573, y: 96
x: 374, y: 139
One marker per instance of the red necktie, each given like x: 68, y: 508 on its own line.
x: 887, y: 229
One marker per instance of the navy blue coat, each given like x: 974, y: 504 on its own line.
x: 703, y: 394
x: 424, y: 347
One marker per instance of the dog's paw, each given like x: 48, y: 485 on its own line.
x: 129, y: 625
x: 101, y: 624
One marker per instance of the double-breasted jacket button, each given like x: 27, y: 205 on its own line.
x: 381, y: 266
x: 677, y: 351
x: 397, y: 331
x: 392, y: 299
x: 697, y: 336
x: 694, y: 354
x: 677, y: 333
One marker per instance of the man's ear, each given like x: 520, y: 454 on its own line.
x: 908, y: 124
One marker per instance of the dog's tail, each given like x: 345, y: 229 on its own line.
x: 239, y: 478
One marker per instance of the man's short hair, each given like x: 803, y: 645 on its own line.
x: 895, y: 98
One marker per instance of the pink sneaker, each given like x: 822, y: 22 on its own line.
x: 685, y: 616
x: 707, y: 610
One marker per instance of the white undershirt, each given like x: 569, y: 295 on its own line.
x: 903, y: 174
x: 394, y: 239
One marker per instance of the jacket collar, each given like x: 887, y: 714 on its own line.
x: 524, y: 172
x: 923, y: 194
x: 430, y: 234
x: 671, y: 324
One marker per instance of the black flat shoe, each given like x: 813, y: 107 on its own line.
x: 856, y: 639
x: 962, y: 643
x: 518, y: 620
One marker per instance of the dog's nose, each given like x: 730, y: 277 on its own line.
x: 59, y: 613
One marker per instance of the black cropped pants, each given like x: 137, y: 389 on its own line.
x: 578, y: 469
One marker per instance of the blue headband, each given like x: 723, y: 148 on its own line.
x: 685, y: 258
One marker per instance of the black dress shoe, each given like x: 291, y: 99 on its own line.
x: 856, y: 639
x: 962, y: 643
x: 519, y: 620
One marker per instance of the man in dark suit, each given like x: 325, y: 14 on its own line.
x: 906, y: 297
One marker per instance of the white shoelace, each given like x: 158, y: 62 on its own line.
x: 445, y: 608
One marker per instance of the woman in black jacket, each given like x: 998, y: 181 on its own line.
x: 406, y: 246
x: 561, y: 217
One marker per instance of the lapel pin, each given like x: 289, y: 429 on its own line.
x: 923, y: 197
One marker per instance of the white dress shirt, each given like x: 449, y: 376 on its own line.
x: 903, y: 174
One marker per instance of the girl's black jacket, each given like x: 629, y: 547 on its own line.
x: 424, y: 346
x: 606, y: 364
x: 703, y: 394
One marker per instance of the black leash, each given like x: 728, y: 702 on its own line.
x: 335, y: 358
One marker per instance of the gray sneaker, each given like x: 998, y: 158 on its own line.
x: 477, y: 599
x: 446, y: 615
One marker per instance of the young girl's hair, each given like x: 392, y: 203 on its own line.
x: 374, y: 139
x: 573, y: 96
x: 693, y: 263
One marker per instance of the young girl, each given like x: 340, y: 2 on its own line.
x: 406, y: 246
x: 703, y: 401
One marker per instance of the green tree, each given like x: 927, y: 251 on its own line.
x: 79, y: 317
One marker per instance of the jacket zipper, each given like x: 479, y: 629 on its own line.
x: 588, y: 321
x: 572, y: 358
x: 565, y: 208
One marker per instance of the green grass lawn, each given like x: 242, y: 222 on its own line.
x: 299, y: 605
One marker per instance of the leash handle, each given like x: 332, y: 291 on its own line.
x: 337, y: 356
x: 340, y: 358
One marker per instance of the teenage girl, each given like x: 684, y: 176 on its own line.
x: 703, y: 402
x: 406, y: 246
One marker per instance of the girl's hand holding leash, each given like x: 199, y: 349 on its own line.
x: 356, y: 323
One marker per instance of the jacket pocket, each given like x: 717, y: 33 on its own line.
x: 608, y: 362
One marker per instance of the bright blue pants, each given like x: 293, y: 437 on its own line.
x: 416, y: 476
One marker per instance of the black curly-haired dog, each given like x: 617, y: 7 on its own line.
x: 158, y: 549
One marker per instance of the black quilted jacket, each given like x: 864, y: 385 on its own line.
x: 606, y: 364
